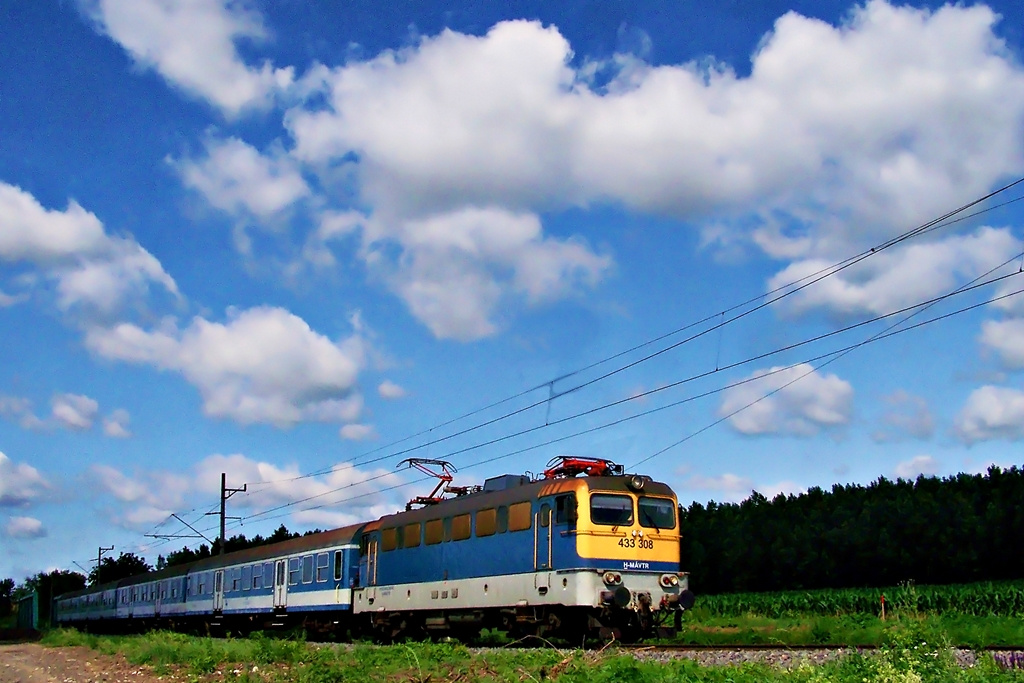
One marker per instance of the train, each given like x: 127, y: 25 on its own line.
x: 582, y: 550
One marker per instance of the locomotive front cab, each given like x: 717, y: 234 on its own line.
x: 627, y: 530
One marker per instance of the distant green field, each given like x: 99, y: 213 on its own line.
x: 996, y: 599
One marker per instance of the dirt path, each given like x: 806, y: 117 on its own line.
x: 33, y: 663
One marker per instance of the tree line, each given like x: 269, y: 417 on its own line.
x: 931, y: 531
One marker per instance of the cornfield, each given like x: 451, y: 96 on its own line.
x: 975, y: 599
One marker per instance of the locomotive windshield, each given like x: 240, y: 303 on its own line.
x: 657, y: 513
x: 611, y: 509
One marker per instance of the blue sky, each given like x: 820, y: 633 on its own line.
x: 286, y: 239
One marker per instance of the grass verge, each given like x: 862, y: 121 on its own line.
x: 911, y: 652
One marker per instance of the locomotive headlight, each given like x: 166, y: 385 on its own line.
x: 636, y: 482
x: 669, y: 580
x: 612, y: 579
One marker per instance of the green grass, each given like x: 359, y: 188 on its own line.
x: 911, y: 652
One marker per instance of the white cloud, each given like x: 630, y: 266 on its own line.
x: 20, y: 409
x: 115, y: 425
x: 29, y: 232
x: 900, y: 276
x: 736, y: 488
x: 390, y: 390
x: 456, y: 269
x: 74, y: 411
x: 24, y: 527
x: 991, y: 413
x: 191, y: 43
x: 874, y: 108
x: 345, y: 489
x: 93, y: 271
x: 839, y: 137
x: 908, y: 417
x: 20, y: 484
x: 237, y: 179
x: 813, y: 402
x: 263, y: 365
x: 357, y: 432
x: 150, y: 498
x: 921, y: 464
x: 1006, y: 338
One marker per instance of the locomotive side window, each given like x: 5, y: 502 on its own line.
x: 545, y: 515
x: 388, y: 539
x: 460, y: 527
x: 519, y: 517
x: 565, y: 509
x: 486, y: 522
x: 411, y: 535
x: 502, y: 519
x: 611, y: 510
x: 656, y: 513
x: 434, y: 532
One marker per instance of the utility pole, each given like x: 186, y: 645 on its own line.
x: 99, y: 556
x: 225, y: 493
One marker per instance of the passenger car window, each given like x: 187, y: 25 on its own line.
x: 293, y: 571
x: 656, y: 513
x: 519, y: 517
x: 307, y: 569
x: 323, y: 566
x: 337, y: 565
x: 611, y: 509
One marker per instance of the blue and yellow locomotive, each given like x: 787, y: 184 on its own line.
x: 563, y: 554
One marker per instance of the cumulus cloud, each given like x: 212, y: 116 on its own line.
x: 921, y: 464
x: 20, y: 484
x: 1006, y: 338
x: 24, y: 527
x: 263, y: 365
x: 898, y: 277
x: 92, y: 271
x: 115, y: 425
x: 870, y: 106
x: 990, y: 413
x: 74, y: 411
x: 20, y: 409
x: 345, y: 494
x: 908, y: 416
x: 150, y: 497
x: 192, y: 44
x: 456, y: 269
x: 237, y: 179
x: 390, y: 390
x: 357, y: 432
x: 811, y: 402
